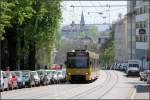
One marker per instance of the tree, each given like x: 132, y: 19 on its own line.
x: 36, y: 24
x: 107, y: 51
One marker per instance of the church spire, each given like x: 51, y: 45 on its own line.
x: 82, y: 22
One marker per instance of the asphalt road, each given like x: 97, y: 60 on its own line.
x: 110, y: 85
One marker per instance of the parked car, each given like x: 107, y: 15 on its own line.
x: 29, y: 81
x: 44, y: 79
x: 61, y: 76
x: 50, y: 74
x: 148, y: 78
x: 35, y: 76
x: 124, y: 66
x: 4, y: 81
x: 144, y: 75
x: 55, y: 77
x: 12, y: 80
x: 20, y: 79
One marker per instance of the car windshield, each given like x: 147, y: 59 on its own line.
x: 59, y: 72
x: 40, y: 72
x: 26, y: 74
x: 50, y: 72
x: 133, y: 65
x: 17, y: 74
x: 33, y: 73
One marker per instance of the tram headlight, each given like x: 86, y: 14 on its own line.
x: 86, y: 73
x: 68, y: 73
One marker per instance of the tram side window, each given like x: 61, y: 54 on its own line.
x: 91, y: 63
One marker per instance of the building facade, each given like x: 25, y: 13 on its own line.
x: 121, y: 45
x: 139, y: 30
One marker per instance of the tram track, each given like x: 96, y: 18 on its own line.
x: 82, y: 94
x: 117, y: 78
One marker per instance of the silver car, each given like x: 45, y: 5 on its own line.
x: 50, y: 75
x: 144, y: 75
x: 44, y: 78
x: 35, y: 77
x: 3, y: 81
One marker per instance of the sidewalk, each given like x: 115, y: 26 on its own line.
x: 142, y: 92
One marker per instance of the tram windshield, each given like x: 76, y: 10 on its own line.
x: 78, y: 62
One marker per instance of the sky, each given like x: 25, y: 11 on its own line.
x: 70, y: 14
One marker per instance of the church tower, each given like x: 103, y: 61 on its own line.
x: 82, y: 23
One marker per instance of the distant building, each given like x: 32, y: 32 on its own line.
x: 76, y: 31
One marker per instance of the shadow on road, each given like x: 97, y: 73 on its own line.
x: 142, y: 88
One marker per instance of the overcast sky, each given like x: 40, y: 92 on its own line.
x: 70, y: 14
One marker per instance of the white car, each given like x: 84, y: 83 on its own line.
x: 133, y: 69
x: 50, y: 75
x: 55, y: 77
x: 36, y: 77
x: 3, y: 81
x: 61, y: 76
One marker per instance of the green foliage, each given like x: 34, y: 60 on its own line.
x: 5, y: 15
x: 107, y: 51
x: 94, y: 32
x: 37, y: 23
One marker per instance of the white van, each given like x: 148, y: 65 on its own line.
x: 133, y: 67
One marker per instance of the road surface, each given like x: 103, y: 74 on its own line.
x: 110, y: 85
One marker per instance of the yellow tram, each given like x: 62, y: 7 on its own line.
x: 82, y: 65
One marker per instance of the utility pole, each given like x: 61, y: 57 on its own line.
x: 149, y: 33
x: 0, y: 54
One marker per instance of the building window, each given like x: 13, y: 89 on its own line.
x: 141, y: 38
x: 141, y: 24
x: 141, y: 10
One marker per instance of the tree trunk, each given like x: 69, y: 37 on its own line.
x: 32, y: 55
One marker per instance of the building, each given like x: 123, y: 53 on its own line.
x: 121, y: 45
x: 76, y: 31
x: 139, y: 30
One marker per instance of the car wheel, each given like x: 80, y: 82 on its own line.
x: 12, y: 87
x: 2, y: 88
x: 7, y: 88
x: 141, y: 79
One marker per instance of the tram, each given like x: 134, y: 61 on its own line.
x: 82, y: 65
